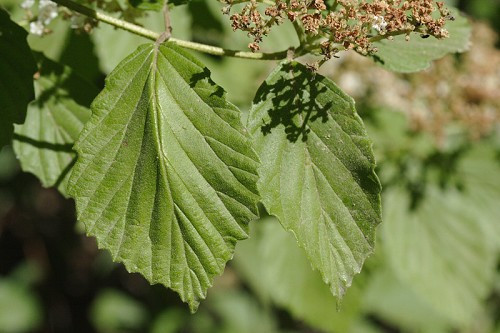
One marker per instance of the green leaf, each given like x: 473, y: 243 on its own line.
x: 447, y: 248
x: 53, y: 44
x: 114, y: 311
x: 20, y: 309
x: 166, y: 176
x: 112, y: 44
x: 206, y: 26
x: 278, y: 270
x: 175, y: 3
x: 417, y: 54
x: 317, y: 173
x: 396, y: 303
x: 16, y: 76
x: 237, y: 311
x: 43, y: 144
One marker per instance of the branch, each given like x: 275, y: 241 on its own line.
x: 267, y: 2
x: 140, y: 31
x: 393, y: 34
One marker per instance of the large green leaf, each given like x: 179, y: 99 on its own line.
x: 17, y: 67
x: 446, y: 248
x: 317, y: 173
x: 166, y: 176
x: 417, y: 54
x: 43, y: 144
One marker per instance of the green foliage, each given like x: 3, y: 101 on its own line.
x: 417, y: 54
x: 325, y: 193
x: 19, y: 310
x: 111, y: 45
x: 113, y: 311
x: 393, y: 301
x: 43, y: 144
x: 167, y: 178
x: 279, y: 272
x: 17, y: 68
x: 446, y: 248
x: 168, y: 156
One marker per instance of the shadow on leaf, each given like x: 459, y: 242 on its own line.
x: 62, y: 84
x: 67, y: 148
x: 205, y: 75
x: 295, y: 102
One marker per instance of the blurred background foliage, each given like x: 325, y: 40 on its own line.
x: 436, y: 266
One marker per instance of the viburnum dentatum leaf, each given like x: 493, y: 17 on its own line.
x: 43, y: 144
x: 166, y: 176
x: 17, y: 67
x: 317, y: 174
x: 399, y: 55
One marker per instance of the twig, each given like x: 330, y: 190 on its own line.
x: 152, y: 35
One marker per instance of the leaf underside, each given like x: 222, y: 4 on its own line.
x: 399, y: 55
x: 317, y: 174
x: 166, y: 176
x: 17, y: 67
x: 43, y: 144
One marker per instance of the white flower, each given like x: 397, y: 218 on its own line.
x: 26, y: 4
x: 379, y: 23
x: 43, y: 3
x: 36, y: 28
x: 77, y: 21
x: 47, y: 11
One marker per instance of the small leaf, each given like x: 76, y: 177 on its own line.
x: 17, y: 67
x: 166, y: 176
x: 43, y: 144
x: 399, y: 55
x: 317, y: 173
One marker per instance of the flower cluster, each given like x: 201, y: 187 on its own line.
x: 40, y: 13
x: 347, y: 24
x: 47, y: 11
x: 456, y: 93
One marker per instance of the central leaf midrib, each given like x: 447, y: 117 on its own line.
x: 202, y: 100
x: 236, y: 224
x: 324, y: 216
x: 156, y: 76
x: 214, y: 187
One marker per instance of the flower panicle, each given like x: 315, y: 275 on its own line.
x: 351, y: 25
